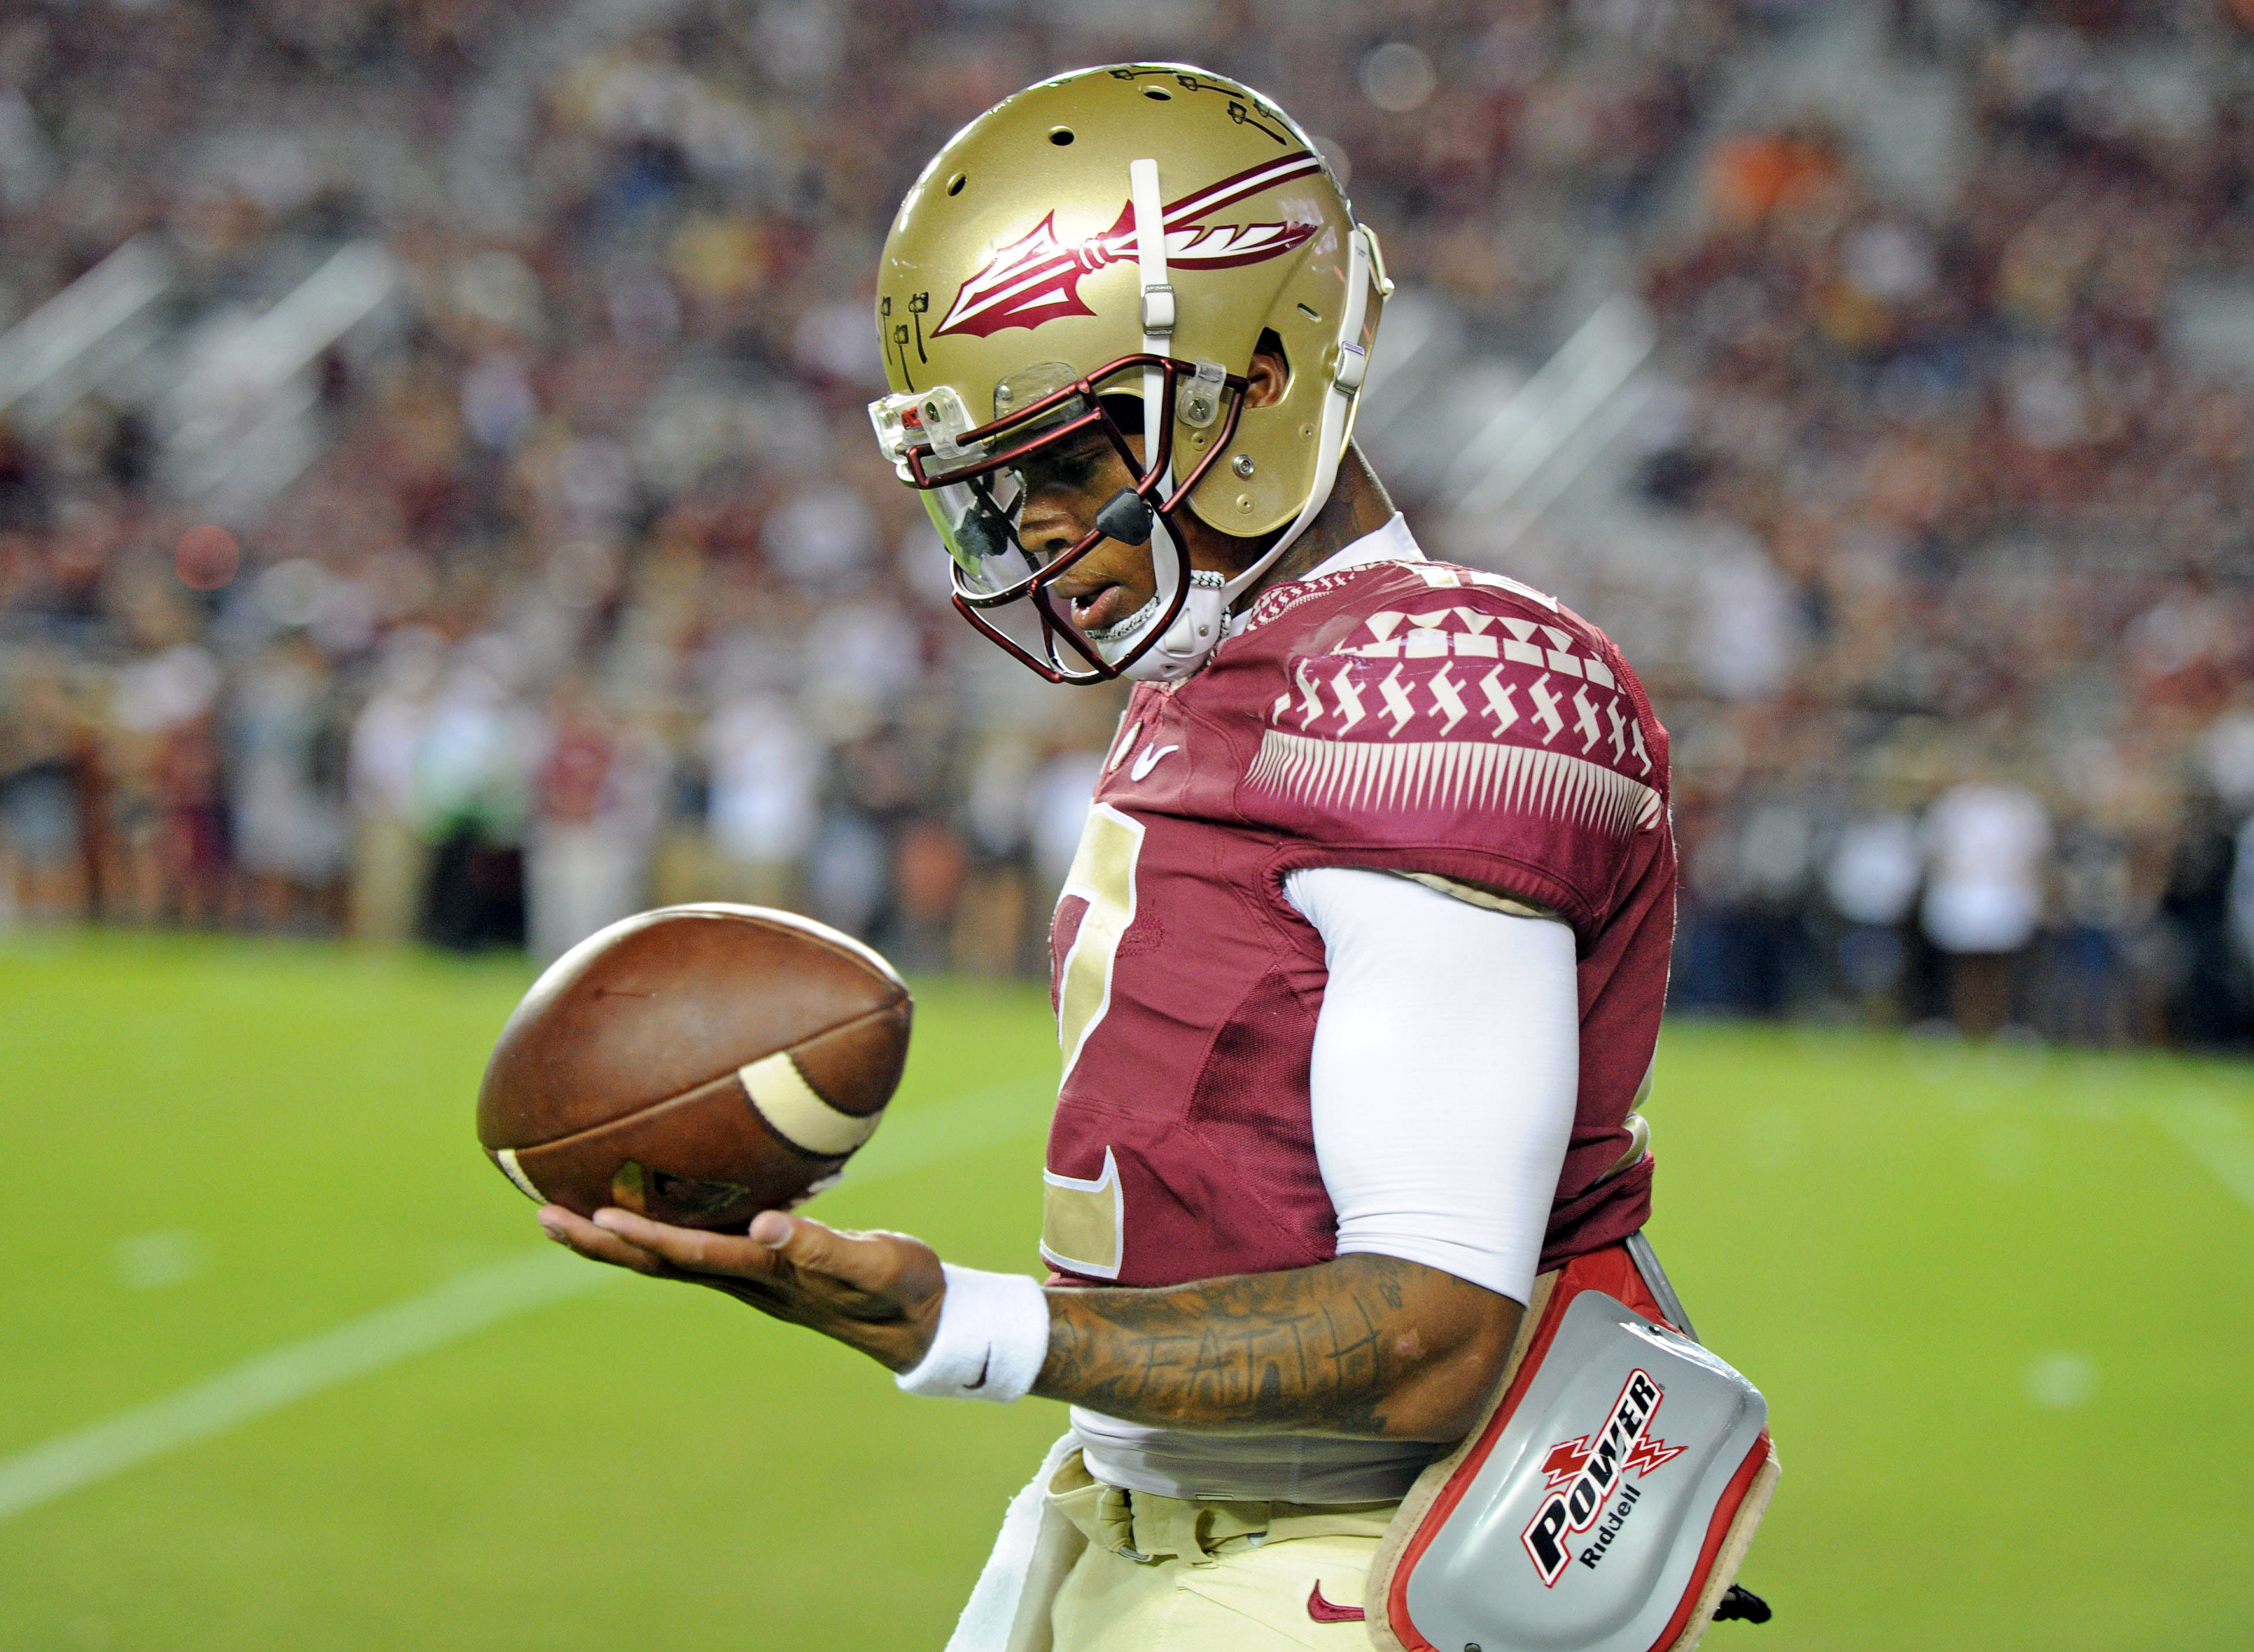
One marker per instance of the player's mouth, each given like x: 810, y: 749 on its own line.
x: 1098, y: 610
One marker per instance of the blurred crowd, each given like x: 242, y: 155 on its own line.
x: 593, y: 594
x: 1968, y: 731
x: 599, y: 595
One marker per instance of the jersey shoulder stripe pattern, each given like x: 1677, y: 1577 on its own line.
x: 1450, y: 775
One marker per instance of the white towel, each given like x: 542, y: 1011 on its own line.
x: 1008, y: 1607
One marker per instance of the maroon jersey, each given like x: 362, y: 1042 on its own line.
x: 1411, y: 717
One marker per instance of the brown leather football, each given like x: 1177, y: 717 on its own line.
x: 697, y: 1064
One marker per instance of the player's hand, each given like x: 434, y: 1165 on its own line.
x: 879, y: 1292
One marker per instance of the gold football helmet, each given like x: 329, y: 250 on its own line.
x: 1096, y: 259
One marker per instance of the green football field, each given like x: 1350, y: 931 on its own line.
x: 287, y: 1366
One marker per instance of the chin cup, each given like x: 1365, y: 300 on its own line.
x: 1192, y: 636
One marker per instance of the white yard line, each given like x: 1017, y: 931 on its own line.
x: 271, y: 1381
x: 2216, y: 1134
x: 454, y: 1310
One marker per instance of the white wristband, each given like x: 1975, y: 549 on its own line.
x: 993, y: 1337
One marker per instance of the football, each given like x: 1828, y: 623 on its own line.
x: 696, y: 1064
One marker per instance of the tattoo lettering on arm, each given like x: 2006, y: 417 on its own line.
x: 1364, y: 1346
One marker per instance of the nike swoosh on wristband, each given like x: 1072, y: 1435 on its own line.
x: 1149, y: 760
x: 1323, y: 1612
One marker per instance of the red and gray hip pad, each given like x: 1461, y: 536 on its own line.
x: 1603, y: 1506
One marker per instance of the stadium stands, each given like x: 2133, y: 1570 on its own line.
x: 1877, y: 373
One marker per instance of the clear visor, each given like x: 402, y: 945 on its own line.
x: 1076, y: 440
x: 1071, y: 441
x: 978, y: 522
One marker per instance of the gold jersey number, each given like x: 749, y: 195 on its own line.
x: 1103, y: 875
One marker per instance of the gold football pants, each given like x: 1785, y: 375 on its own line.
x: 1161, y: 1574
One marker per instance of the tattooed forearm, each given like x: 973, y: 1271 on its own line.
x: 1366, y: 1346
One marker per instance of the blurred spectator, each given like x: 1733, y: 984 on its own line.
x: 2205, y: 1002
x: 473, y: 787
x: 287, y: 790
x: 847, y: 874
x: 1872, y: 879
x: 388, y: 857
x: 2093, y: 996
x: 172, y: 819
x: 2242, y: 893
x: 596, y: 796
x: 1986, y: 843
x: 994, y: 918
x: 764, y: 777
x: 930, y: 868
x: 41, y: 873
x: 1748, y: 630
x: 1056, y: 810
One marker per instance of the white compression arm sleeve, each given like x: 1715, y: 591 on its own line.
x: 1445, y: 1070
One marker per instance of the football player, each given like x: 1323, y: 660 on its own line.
x: 1359, y: 969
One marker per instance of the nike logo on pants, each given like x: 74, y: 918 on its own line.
x: 1323, y: 1612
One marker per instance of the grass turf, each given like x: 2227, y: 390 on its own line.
x: 1997, y: 1303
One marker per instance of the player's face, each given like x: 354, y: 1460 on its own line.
x: 1065, y: 486
x: 1005, y: 524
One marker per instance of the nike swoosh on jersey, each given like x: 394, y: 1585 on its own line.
x: 1149, y: 760
x: 1323, y: 1612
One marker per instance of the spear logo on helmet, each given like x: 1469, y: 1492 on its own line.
x: 1036, y: 278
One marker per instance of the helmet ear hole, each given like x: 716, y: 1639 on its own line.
x: 1271, y: 343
